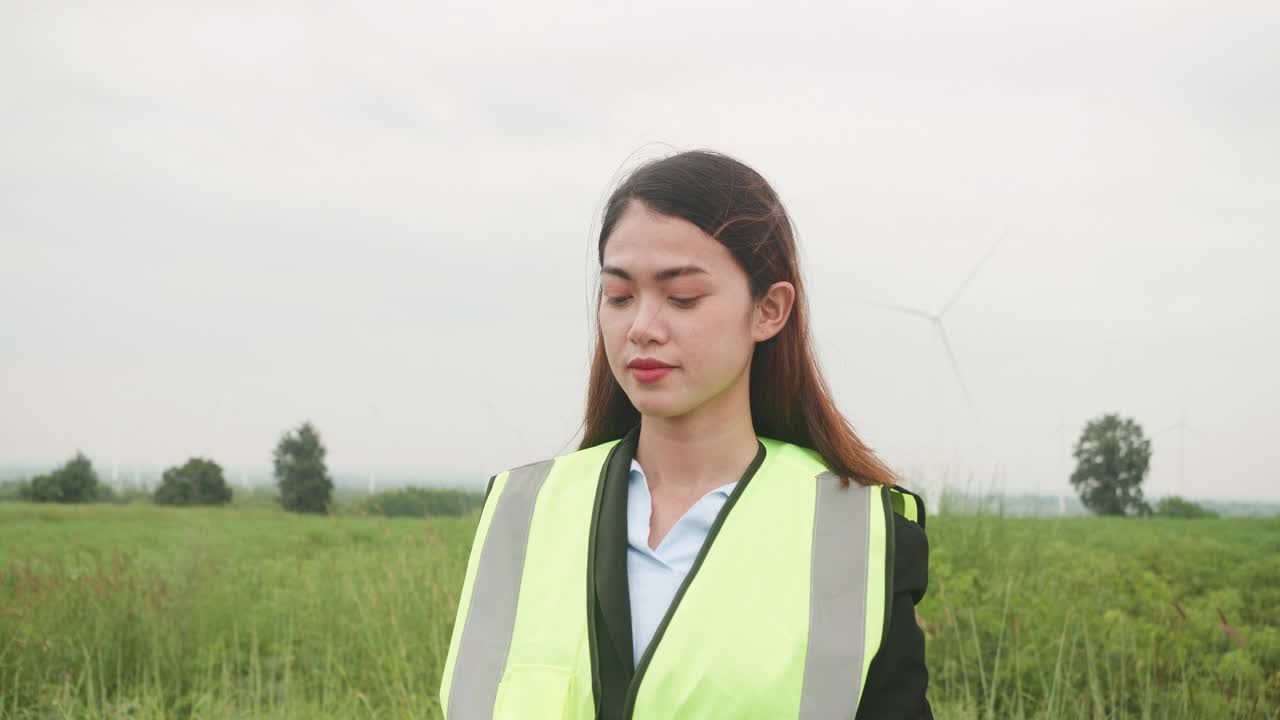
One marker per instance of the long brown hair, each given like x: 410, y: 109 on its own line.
x: 790, y: 400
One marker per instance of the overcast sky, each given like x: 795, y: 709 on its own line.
x: 220, y: 219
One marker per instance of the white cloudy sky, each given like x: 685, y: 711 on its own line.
x: 220, y: 219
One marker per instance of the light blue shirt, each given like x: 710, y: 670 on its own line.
x: 653, y: 576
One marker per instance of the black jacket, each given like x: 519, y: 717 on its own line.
x: 896, y: 679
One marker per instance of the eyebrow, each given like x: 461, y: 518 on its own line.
x: 660, y: 276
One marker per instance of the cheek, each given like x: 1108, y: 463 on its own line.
x: 614, y: 332
x: 716, y: 343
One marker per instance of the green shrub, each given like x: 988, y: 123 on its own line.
x: 422, y: 502
x: 1176, y: 507
x: 198, y: 482
x: 74, y: 482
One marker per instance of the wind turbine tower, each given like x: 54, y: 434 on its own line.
x: 1182, y: 427
x: 376, y: 443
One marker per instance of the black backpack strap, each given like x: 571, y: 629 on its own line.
x: 907, y: 504
x: 906, y: 563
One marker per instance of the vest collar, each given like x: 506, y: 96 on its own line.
x: 608, y: 591
x: 611, y: 594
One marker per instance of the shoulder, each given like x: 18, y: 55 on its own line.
x: 575, y: 463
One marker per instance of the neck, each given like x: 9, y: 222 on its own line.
x: 691, y: 454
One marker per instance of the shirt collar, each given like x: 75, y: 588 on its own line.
x: 637, y: 475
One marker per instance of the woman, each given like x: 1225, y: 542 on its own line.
x: 742, y: 552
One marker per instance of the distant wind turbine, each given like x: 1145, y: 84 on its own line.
x: 115, y: 440
x: 115, y: 458
x: 1182, y: 427
x: 935, y: 318
x: 1062, y: 461
x: 377, y: 442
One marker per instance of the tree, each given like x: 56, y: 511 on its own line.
x: 304, y: 482
x: 198, y: 482
x: 1112, y: 458
x: 74, y: 482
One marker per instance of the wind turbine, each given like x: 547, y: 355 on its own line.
x: 1182, y: 427
x: 1062, y: 460
x: 935, y: 318
x: 115, y: 455
x: 377, y: 428
x: 115, y: 440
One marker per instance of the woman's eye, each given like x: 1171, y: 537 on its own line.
x: 620, y: 300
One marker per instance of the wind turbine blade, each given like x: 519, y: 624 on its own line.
x: 1174, y: 426
x: 955, y: 366
x: 972, y: 273
x: 891, y: 306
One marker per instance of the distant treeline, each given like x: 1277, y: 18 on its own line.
x: 401, y: 502
x: 21, y: 491
x: 303, y: 484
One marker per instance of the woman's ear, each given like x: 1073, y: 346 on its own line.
x: 770, y: 313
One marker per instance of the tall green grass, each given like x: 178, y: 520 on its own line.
x: 144, y: 612
x: 148, y: 612
x: 1103, y: 618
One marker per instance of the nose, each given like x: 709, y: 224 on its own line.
x: 646, y: 327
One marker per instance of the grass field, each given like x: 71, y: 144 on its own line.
x: 143, y: 612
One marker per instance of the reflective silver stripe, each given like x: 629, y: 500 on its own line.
x: 486, y: 637
x: 837, y: 600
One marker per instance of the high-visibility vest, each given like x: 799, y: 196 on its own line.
x: 779, y: 616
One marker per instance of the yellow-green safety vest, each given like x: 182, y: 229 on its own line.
x: 785, y: 610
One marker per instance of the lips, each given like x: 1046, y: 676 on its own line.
x: 647, y: 364
x: 651, y: 375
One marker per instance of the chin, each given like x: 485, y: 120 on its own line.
x: 650, y: 405
x: 649, y: 402
x: 659, y: 405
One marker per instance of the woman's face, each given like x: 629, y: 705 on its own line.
x: 673, y: 294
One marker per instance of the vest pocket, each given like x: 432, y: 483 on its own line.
x: 534, y: 692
